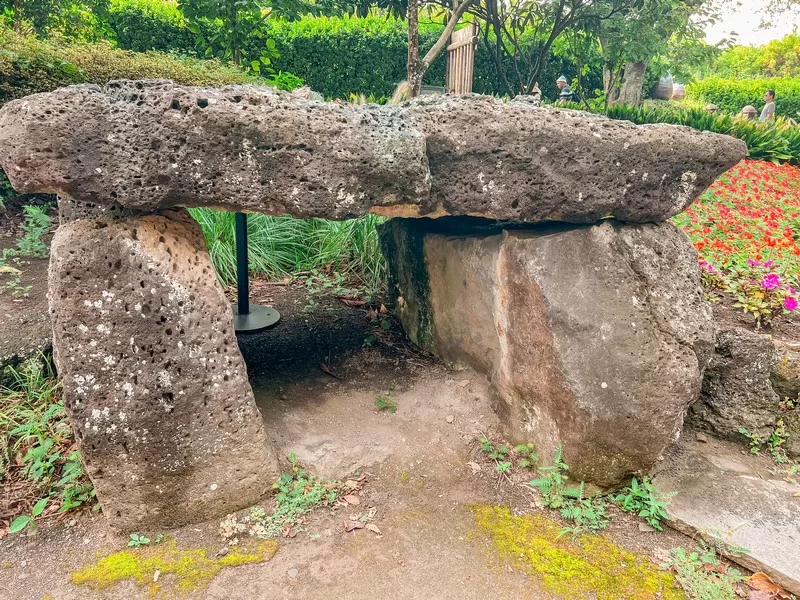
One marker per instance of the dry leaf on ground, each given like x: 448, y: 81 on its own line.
x: 373, y: 528
x: 351, y: 499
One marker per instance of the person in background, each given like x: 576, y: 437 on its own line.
x: 566, y: 92
x: 768, y: 113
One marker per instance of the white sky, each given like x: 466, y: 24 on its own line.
x: 745, y: 18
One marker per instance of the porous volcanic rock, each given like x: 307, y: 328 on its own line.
x: 594, y: 337
x: 151, y: 145
x: 154, y: 383
x: 737, y: 388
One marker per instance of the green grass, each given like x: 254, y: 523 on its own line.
x: 283, y: 246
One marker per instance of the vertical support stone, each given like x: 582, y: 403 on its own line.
x: 594, y: 338
x: 154, y: 383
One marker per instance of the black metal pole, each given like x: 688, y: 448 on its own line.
x: 242, y: 275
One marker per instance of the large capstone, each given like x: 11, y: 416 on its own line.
x: 593, y: 337
x: 154, y: 384
x: 151, y: 145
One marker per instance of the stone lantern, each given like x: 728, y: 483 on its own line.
x: 749, y: 112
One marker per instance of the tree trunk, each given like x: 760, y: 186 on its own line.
x: 632, y: 82
x: 17, y: 17
x: 414, y: 67
x: 417, y: 68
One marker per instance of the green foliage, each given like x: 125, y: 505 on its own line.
x: 281, y: 246
x: 702, y: 575
x: 774, y: 442
x: 778, y: 58
x: 143, y: 25
x: 777, y: 140
x: 340, y: 56
x: 731, y: 95
x: 36, y: 444
x: 587, y: 514
x: 759, y: 291
x: 552, y: 483
x: 29, y: 65
x: 137, y: 539
x: 385, y: 403
x: 298, y: 492
x: 77, y: 19
x: 644, y: 499
x: 234, y: 30
x: 36, y: 222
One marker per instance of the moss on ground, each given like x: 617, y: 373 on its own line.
x: 586, y: 566
x: 190, y: 570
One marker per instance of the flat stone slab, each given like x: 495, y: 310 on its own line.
x: 723, y: 494
x: 152, y: 145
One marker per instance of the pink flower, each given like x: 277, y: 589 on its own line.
x: 790, y: 303
x: 753, y: 263
x: 770, y: 281
x: 768, y: 264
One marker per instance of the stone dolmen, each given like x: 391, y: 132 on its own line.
x: 529, y: 243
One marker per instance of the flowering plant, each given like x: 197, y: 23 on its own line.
x: 746, y: 228
x: 760, y: 291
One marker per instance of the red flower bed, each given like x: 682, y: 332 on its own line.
x: 746, y: 227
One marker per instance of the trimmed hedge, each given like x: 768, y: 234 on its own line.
x: 731, y: 95
x: 336, y: 56
x: 340, y: 56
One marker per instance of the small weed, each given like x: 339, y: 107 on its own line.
x: 588, y: 513
x: 384, y: 403
x: 755, y: 440
x: 529, y: 456
x: 138, y: 540
x: 644, y: 499
x: 774, y: 443
x: 552, y: 482
x: 702, y: 575
x: 298, y: 492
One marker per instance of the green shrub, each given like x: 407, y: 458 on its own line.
x: 29, y: 65
x: 340, y: 56
x: 143, y: 25
x: 731, y: 95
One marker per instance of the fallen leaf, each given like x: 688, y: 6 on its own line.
x: 373, y: 528
x: 762, y: 582
x: 351, y: 525
x: 758, y: 595
x: 351, y: 499
x: 384, y: 310
x: 352, y: 302
x: 326, y: 369
x: 476, y: 468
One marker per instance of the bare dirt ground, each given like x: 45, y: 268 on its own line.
x: 419, y: 480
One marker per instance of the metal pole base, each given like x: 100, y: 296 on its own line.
x: 258, y: 319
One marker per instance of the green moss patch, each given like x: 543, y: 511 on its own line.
x: 586, y: 566
x: 183, y: 570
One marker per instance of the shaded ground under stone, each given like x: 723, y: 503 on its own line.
x: 419, y: 480
x: 722, y: 493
